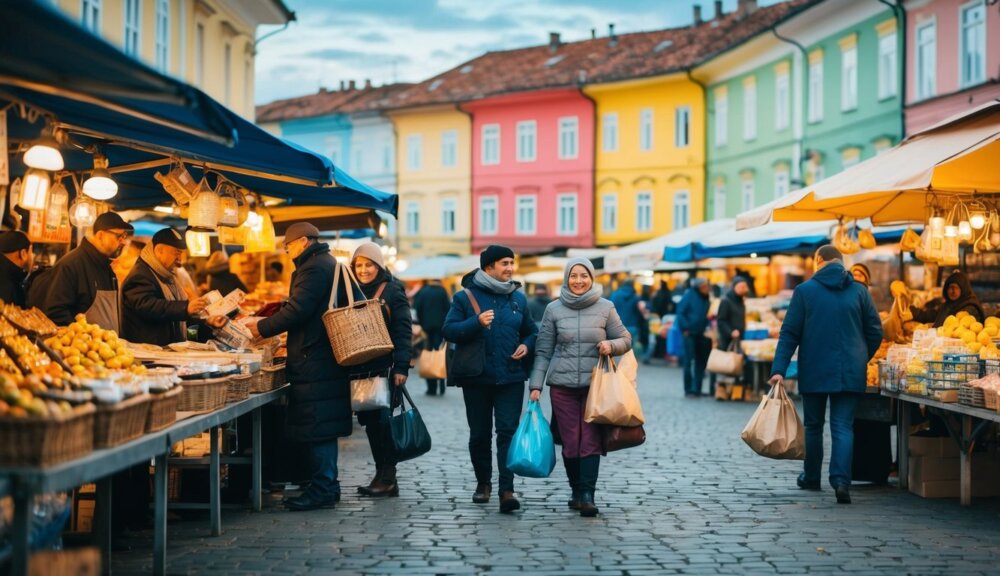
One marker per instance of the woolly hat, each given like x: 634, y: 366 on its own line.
x: 864, y: 272
x: 578, y: 262
x: 371, y: 251
x: 492, y: 253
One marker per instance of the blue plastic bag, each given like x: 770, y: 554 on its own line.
x: 532, y: 452
x: 675, y: 341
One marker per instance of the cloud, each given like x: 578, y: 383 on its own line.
x: 341, y: 54
x: 376, y: 37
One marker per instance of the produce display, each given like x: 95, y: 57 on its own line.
x: 978, y: 338
x: 91, y: 351
x: 18, y: 399
x: 32, y: 320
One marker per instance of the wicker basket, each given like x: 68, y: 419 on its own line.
x: 971, y: 396
x: 163, y: 409
x: 271, y: 378
x: 239, y: 387
x: 203, y: 395
x: 44, y: 442
x: 116, y: 424
x: 357, y: 332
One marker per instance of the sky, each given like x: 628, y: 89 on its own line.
x: 388, y: 41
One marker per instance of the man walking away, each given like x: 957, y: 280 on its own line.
x: 626, y: 303
x: 692, y: 320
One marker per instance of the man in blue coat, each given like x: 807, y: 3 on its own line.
x: 833, y: 323
x: 626, y: 303
x: 692, y: 321
x: 494, y: 336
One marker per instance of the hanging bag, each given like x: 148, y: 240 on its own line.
x: 775, y: 430
x: 532, y: 452
x: 370, y: 393
x: 407, y: 430
x: 726, y: 362
x: 433, y: 363
x: 357, y: 332
x: 616, y: 438
x: 611, y: 399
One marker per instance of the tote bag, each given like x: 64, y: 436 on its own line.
x: 532, y: 452
x: 433, y: 363
x: 611, y: 399
x: 727, y: 362
x: 775, y: 430
x: 407, y: 430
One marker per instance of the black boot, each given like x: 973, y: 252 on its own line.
x: 432, y: 387
x: 441, y: 387
x: 573, y: 475
x: 589, y: 468
x: 386, y: 485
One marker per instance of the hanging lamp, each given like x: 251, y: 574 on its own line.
x: 35, y: 190
x: 199, y: 243
x: 83, y: 212
x: 100, y: 186
x: 44, y: 153
x: 203, y: 211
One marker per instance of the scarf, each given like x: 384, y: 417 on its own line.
x: 491, y: 284
x: 165, y: 278
x: 579, y: 301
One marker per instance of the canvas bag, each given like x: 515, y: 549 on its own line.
x: 612, y: 400
x: 727, y: 362
x: 433, y: 363
x: 775, y: 430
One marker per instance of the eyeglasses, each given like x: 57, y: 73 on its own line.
x: 119, y: 235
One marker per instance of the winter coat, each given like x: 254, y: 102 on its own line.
x: 512, y: 326
x: 663, y: 303
x: 566, y: 349
x: 732, y: 316
x: 319, y: 407
x: 833, y: 323
x: 147, y: 316
x: 225, y: 282
x: 396, y: 312
x: 12, y: 282
x: 626, y: 302
x: 75, y: 281
x: 431, y: 305
x: 966, y: 300
x: 537, y: 306
x: 692, y: 313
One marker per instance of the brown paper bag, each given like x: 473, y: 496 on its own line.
x: 726, y: 362
x: 432, y: 365
x: 628, y: 366
x: 775, y: 430
x: 611, y: 399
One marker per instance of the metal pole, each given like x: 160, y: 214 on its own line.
x: 215, y: 484
x: 257, y: 456
x: 160, y: 515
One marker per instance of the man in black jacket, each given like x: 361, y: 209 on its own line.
x: 14, y: 266
x: 83, y: 281
x: 431, y: 305
x: 319, y: 409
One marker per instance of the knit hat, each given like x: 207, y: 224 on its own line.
x: 492, y: 253
x: 170, y: 237
x: 217, y: 262
x: 14, y: 241
x: 578, y: 262
x: 864, y: 272
x: 740, y: 280
x: 371, y: 251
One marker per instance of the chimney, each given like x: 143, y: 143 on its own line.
x: 593, y: 33
x: 343, y: 85
x: 747, y: 6
x: 351, y: 85
x: 718, y: 9
x: 612, y: 39
x: 554, y: 41
x: 368, y: 83
x: 697, y: 14
x: 322, y: 89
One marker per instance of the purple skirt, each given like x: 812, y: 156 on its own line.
x: 579, y: 439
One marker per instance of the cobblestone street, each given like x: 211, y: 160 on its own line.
x: 693, y: 499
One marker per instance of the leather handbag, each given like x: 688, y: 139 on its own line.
x: 727, y: 362
x: 622, y: 437
x: 410, y: 437
x: 433, y: 363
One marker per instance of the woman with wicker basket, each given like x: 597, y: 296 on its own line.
x: 376, y: 283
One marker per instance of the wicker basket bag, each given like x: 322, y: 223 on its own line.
x: 357, y: 332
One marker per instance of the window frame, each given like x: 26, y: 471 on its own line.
x: 646, y: 129
x: 490, y: 203
x: 575, y: 207
x: 449, y: 148
x: 981, y: 72
x: 782, y: 101
x: 523, y: 135
x: 609, y: 203
x: 750, y: 116
x: 522, y: 202
x: 888, y: 73
x: 719, y: 208
x: 926, y: 63
x: 493, y: 139
x: 721, y: 101
x: 412, y: 226
x: 748, y: 189
x: 414, y: 151
x: 679, y: 195
x: 161, y: 43
x: 644, y: 208
x: 132, y: 30
x: 849, y: 79
x: 609, y: 132
x: 816, y: 100
x: 94, y: 9
x: 569, y: 137
x: 449, y: 216
x: 199, y: 53
x: 783, y: 177
x: 682, y: 126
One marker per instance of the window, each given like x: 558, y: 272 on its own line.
x: 569, y: 138
x: 609, y: 212
x: 926, y: 60
x: 227, y: 72
x: 527, y: 214
x: 782, y: 99
x: 488, y: 215
x: 199, y: 54
x: 412, y: 218
x: 881, y: 145
x: 816, y: 87
x: 780, y: 182
x: 747, y: 193
x: 527, y: 138
x: 566, y: 204
x: 682, y: 209
x: 132, y: 24
x: 720, y: 200
x: 850, y: 157
x: 609, y: 123
x: 887, y: 66
x: 721, y: 117
x: 449, y: 148
x: 90, y: 15
x: 644, y: 212
x: 750, y: 109
x: 414, y: 151
x: 682, y: 126
x: 162, y: 47
x: 849, y: 79
x: 646, y: 129
x: 448, y: 208
x: 491, y: 144
x: 973, y: 41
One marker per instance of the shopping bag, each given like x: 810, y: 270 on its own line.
x: 726, y: 362
x: 612, y: 400
x: 370, y: 393
x: 675, y: 341
x: 407, y: 431
x: 532, y: 453
x: 775, y: 430
x: 433, y: 363
x: 621, y: 437
x: 629, y: 368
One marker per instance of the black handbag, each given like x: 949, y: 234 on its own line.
x: 409, y: 435
x: 466, y: 360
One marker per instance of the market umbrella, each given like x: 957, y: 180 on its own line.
x: 958, y: 156
x: 678, y: 245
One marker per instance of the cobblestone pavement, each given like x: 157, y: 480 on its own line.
x: 693, y: 500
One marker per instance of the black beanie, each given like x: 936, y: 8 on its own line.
x: 14, y: 241
x: 492, y: 253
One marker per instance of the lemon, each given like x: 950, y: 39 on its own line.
x: 950, y: 321
x: 966, y: 321
x: 976, y: 327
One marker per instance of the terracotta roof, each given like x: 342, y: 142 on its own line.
x: 318, y: 104
x: 375, y: 99
x: 633, y: 55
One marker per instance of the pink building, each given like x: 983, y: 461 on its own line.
x: 952, y: 58
x: 533, y: 170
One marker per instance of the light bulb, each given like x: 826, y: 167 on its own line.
x: 44, y: 153
x: 35, y: 190
x: 937, y: 225
x: 964, y: 230
x: 82, y: 213
x: 978, y: 221
x: 100, y: 186
x: 951, y: 231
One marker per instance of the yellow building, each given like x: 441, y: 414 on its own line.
x: 434, y: 175
x: 207, y: 43
x: 650, y: 165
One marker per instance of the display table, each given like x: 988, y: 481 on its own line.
x: 25, y: 483
x: 973, y: 422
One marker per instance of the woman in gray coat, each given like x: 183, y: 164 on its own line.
x: 577, y: 329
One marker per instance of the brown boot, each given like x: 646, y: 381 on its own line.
x: 366, y: 490
x: 482, y: 493
x: 386, y: 485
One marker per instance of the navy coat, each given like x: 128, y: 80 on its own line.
x: 626, y: 303
x: 692, y: 312
x: 833, y: 322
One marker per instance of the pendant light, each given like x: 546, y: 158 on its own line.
x: 44, y: 153
x: 199, y: 243
x: 83, y: 212
x: 35, y: 189
x: 951, y: 231
x: 965, y: 231
x: 204, y: 208
x: 100, y: 186
x: 229, y: 204
x: 260, y: 232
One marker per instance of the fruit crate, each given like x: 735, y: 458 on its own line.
x: 47, y: 441
x: 118, y: 423
x: 952, y: 372
x: 163, y: 409
x: 991, y: 366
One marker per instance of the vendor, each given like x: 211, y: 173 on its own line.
x: 14, y: 266
x: 862, y: 274
x: 219, y: 276
x: 83, y: 281
x: 957, y: 297
x: 155, y: 308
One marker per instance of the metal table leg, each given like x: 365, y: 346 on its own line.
x: 215, y: 484
x: 965, y: 462
x: 102, y: 515
x: 903, y: 445
x: 160, y: 516
x: 23, y: 501
x: 256, y: 466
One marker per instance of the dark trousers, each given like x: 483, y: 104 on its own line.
x: 696, y: 351
x: 842, y: 407
x: 376, y: 423
x: 483, y: 404
x: 324, y: 482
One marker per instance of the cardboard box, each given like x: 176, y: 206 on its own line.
x: 78, y: 562
x: 931, y: 469
x: 944, y: 447
x: 939, y: 477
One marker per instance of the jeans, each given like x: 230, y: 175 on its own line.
x: 324, y: 478
x: 696, y: 351
x: 483, y: 403
x: 842, y: 407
